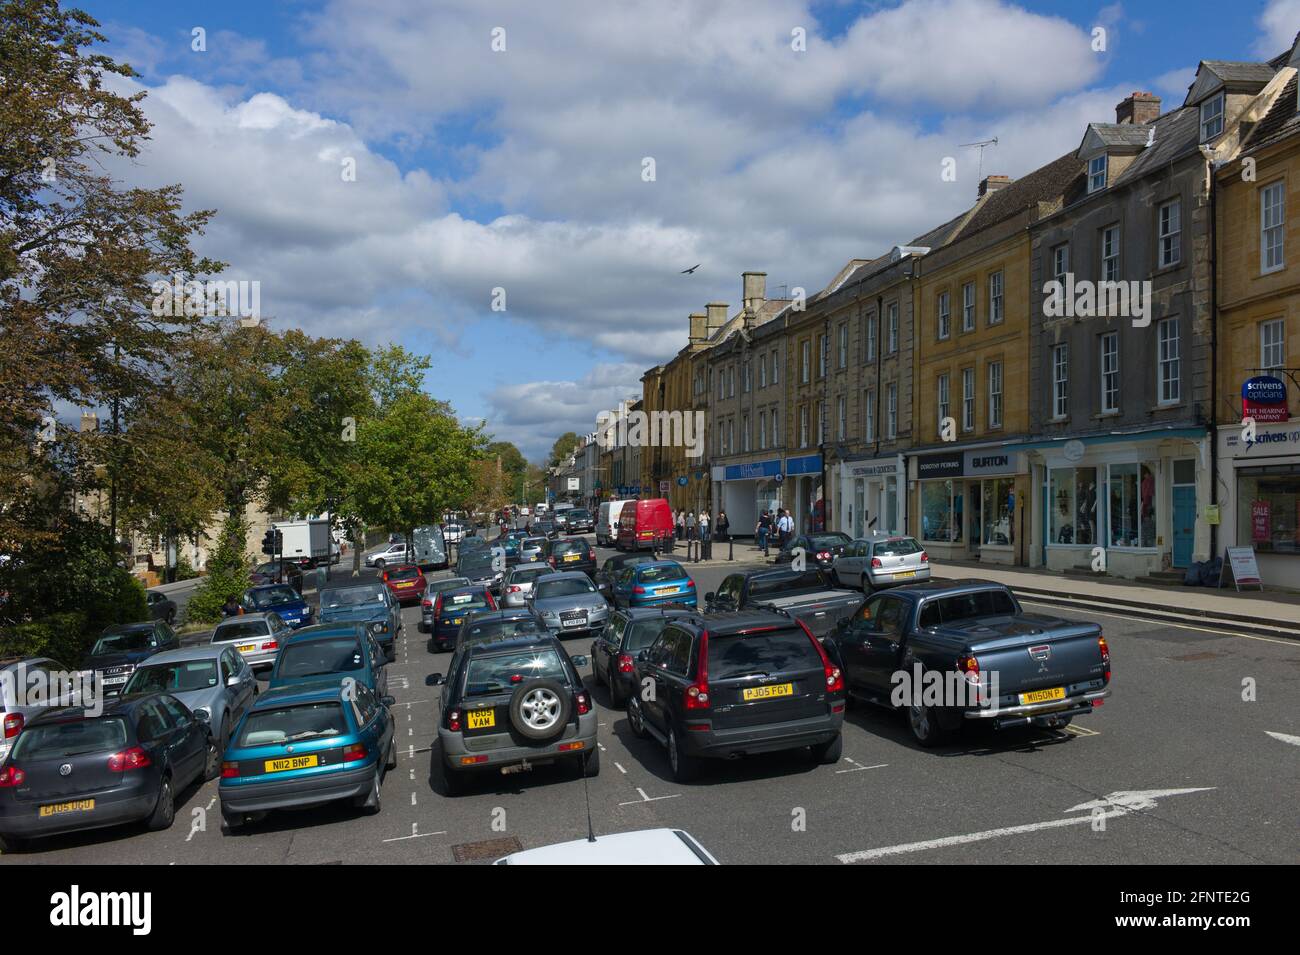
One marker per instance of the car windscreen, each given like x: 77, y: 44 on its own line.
x: 811, y: 579
x: 288, y: 724
x: 71, y: 738
x: 404, y: 573
x: 979, y: 603
x: 447, y: 583
x: 350, y: 596
x: 320, y: 657
x: 902, y: 547
x: 273, y: 597
x: 176, y: 677
x: 560, y: 548
x: 474, y: 562
x: 533, y: 543
x: 122, y: 642
x: 494, y: 629
x: 641, y: 633
x: 498, y: 673
x: 823, y: 541
x: 579, y: 514
x: 661, y: 572
x: 757, y: 654
x: 464, y: 602
x: 546, y: 589
x: 239, y: 630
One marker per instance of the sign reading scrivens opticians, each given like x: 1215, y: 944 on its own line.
x: 1264, y: 399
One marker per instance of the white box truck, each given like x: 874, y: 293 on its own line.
x: 308, y: 543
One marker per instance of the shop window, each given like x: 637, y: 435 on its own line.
x: 1268, y: 509
x: 997, y: 511
x: 1132, y: 506
x: 941, y: 511
x: 1073, y: 506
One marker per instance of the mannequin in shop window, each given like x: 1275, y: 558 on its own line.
x: 1148, y: 535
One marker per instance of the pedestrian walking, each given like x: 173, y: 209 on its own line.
x: 724, y: 527
x: 704, y: 526
x: 763, y: 529
x: 681, y: 525
x: 690, y: 525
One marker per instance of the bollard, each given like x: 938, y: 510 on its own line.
x: 731, y: 548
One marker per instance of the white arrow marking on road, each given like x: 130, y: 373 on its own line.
x: 1293, y: 740
x: 1122, y: 803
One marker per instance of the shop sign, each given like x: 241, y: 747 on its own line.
x: 753, y: 471
x: 992, y: 462
x: 809, y: 464
x: 1261, y: 521
x: 1264, y: 399
x: 947, y: 465
x: 871, y: 468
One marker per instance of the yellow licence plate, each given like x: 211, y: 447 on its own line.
x: 1043, y: 696
x: 768, y: 692
x: 904, y: 573
x: 481, y: 719
x: 247, y: 648
x: 571, y: 556
x: 59, y: 808
x: 290, y: 762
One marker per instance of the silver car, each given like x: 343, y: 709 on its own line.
x: 869, y: 563
x: 569, y: 603
x: 257, y: 636
x: 531, y: 549
x: 519, y: 585
x: 214, y: 680
x: 19, y: 677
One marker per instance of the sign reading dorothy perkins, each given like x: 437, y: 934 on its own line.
x: 1264, y: 398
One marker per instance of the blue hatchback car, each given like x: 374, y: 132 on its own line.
x: 304, y: 745
x: 652, y: 583
x: 280, y: 598
x: 331, y: 652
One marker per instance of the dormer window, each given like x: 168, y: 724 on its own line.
x: 1097, y: 173
x: 1212, y: 117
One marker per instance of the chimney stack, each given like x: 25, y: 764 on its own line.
x: 717, y: 316
x: 698, y: 331
x: 1138, y: 109
x: 993, y: 184
x: 753, y: 290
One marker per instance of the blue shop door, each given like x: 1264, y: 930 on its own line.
x: 1184, y: 523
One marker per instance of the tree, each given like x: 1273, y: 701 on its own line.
x: 563, y: 447
x: 513, y: 467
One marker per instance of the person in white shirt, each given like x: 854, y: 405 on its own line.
x: 704, y: 525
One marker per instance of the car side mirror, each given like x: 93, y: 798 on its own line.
x: 201, y: 717
x: 643, y: 656
x: 433, y: 679
x: 580, y: 661
x: 388, y: 700
x: 709, y: 596
x: 232, y: 681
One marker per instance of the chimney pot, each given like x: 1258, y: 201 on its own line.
x: 993, y: 184
x: 753, y: 289
x: 1137, y: 109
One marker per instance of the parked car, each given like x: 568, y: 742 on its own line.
x: 510, y: 544
x: 480, y: 568
x: 369, y: 604
x: 332, y: 653
x: 532, y: 549
x: 161, y: 607
x: 431, y: 591
x: 568, y: 603
x: 607, y: 522
x: 307, y: 745
x: 272, y: 572
x: 544, y: 528
x: 405, y: 583
x: 257, y: 637
x: 214, y: 681
x: 388, y: 554
x: 453, y: 532
x: 805, y: 595
x: 653, y: 582
x: 1012, y: 668
x: 281, y: 599
x: 513, y: 705
x: 571, y: 553
x: 614, y: 649
x: 124, y: 646
x: 605, y: 575
x: 484, y: 625
x: 819, y: 549
x: 578, y: 520
x: 738, y: 684
x: 870, y: 563
x: 646, y: 525
x: 17, y: 708
x: 643, y: 847
x: 76, y: 768
x: 517, y: 587
x: 450, y: 608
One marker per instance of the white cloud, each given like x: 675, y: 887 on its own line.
x: 1278, y: 25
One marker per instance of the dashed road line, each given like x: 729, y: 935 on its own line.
x: 645, y: 798
x: 858, y: 767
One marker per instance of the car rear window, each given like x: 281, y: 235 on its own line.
x: 642, y: 633
x: 980, y: 603
x: 573, y: 587
x: 494, y: 629
x: 504, y: 671
x: 321, y: 657
x: 745, y: 654
x: 449, y: 583
x: 174, y: 677
x: 474, y: 600
x: 122, y: 642
x: 655, y: 575
x: 531, y: 542
x: 828, y: 540
x: 569, y: 547
x: 404, y: 573
x: 528, y: 576
x: 240, y: 630
x: 902, y: 547
x: 810, y: 579
x: 293, y: 723
x: 72, y: 738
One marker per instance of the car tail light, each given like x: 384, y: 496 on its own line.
x: 697, y: 694
x: 229, y: 770
x: 584, y: 703
x: 11, y: 776
x: 354, y: 751
x: 1101, y: 645
x: 271, y: 645
x: 624, y: 663
x: 971, y: 667
x: 437, y: 605
x: 875, y: 562
x: 834, y: 678
x: 491, y: 603
x: 453, y: 721
x: 823, y: 555
x: 385, y: 576
x: 128, y: 759
x: 426, y: 602
x: 14, y: 721
x: 925, y: 558
x: 638, y: 589
x: 514, y: 589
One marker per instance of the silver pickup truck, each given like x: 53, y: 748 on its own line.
x: 950, y: 652
x: 805, y: 595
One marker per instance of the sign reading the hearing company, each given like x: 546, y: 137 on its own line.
x: 1264, y: 398
x: 992, y: 462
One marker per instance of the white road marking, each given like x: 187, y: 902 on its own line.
x: 416, y: 834
x: 858, y: 767
x: 602, y: 747
x: 1177, y: 626
x: 1075, y: 730
x: 620, y: 767
x: 1293, y: 740
x: 1114, y: 805
x: 412, y: 799
x: 645, y: 798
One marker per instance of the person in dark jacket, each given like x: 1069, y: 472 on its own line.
x: 721, y: 530
x: 231, y: 608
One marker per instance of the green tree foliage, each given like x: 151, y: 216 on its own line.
x: 563, y: 447
x: 227, y: 573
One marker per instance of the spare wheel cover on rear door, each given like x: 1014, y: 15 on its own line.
x: 539, y: 709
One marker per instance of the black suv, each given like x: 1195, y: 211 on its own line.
x: 571, y: 553
x: 732, y: 684
x: 613, y: 652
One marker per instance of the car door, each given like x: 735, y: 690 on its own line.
x: 240, y: 696
x: 849, y: 567
x: 161, y: 736
x: 882, y: 644
x: 604, y: 649
x: 192, y: 736
x: 378, y: 665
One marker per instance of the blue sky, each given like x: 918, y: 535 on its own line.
x: 521, y: 168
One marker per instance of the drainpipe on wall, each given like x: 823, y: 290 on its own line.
x: 1214, y: 354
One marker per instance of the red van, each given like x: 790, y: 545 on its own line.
x: 648, y: 525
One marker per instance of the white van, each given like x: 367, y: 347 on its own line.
x: 607, y: 521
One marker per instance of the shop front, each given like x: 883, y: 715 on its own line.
x: 1123, y: 504
x: 971, y: 504
x: 803, y: 487
x: 1259, y: 506
x: 746, y: 490
x: 872, y: 496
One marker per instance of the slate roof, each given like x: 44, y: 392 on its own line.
x: 1121, y: 134
x: 1237, y: 71
x: 1281, y: 121
x: 1044, y: 184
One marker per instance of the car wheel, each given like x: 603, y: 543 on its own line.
x: 835, y: 579
x: 12, y: 844
x: 391, y: 762
x: 164, y: 812
x: 830, y: 751
x: 370, y: 803
x: 684, y: 767
x: 171, y: 617
x: 212, y: 762
x: 234, y: 820
x: 616, y: 698
x: 379, y: 565
x: 635, y: 719
x: 595, y: 672
x: 924, y: 723
x: 539, y: 709
x: 453, y: 780
x: 589, y: 763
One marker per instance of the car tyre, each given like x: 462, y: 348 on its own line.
x: 636, y: 719
x: 829, y: 753
x: 371, y: 803
x: 379, y: 565
x: 391, y: 762
x: 540, y: 695
x: 234, y: 820
x: 616, y: 698
x: 164, y: 811
x: 12, y: 844
x: 589, y: 764
x: 685, y: 767
x: 595, y: 672
x: 212, y: 759
x: 925, y: 726
x: 171, y: 617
